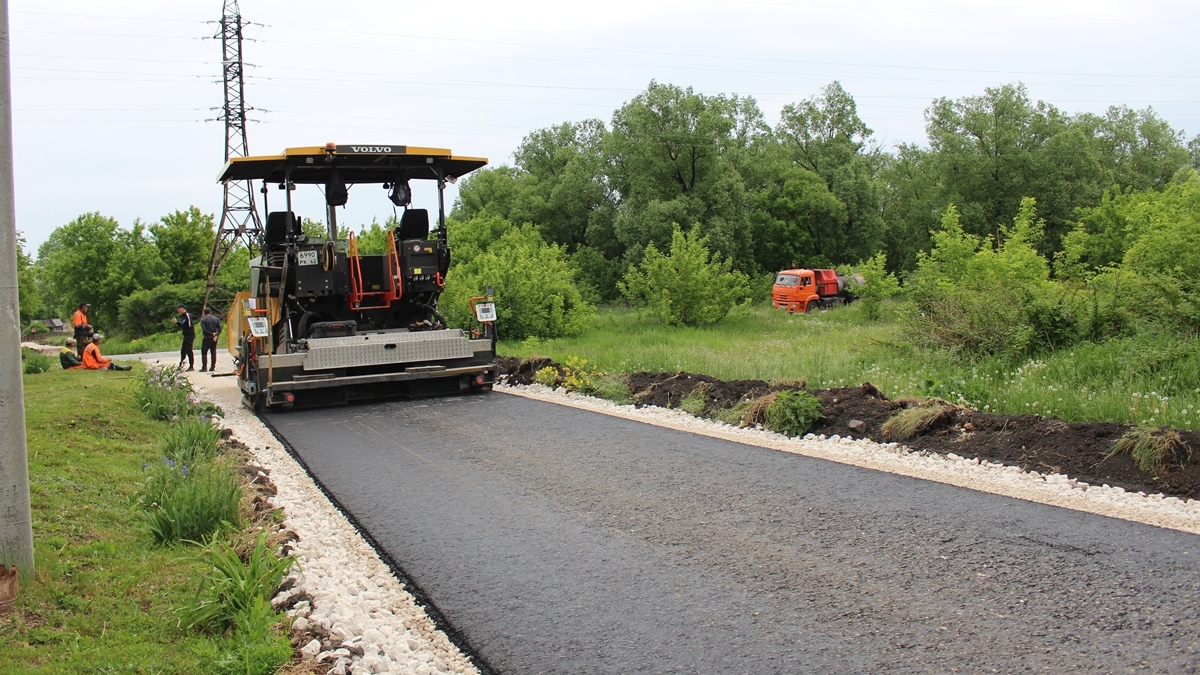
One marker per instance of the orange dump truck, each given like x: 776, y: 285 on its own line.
x: 806, y: 290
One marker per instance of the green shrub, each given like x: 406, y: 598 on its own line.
x: 234, y: 591
x: 878, y: 285
x: 612, y: 388
x: 150, y: 311
x: 36, y: 327
x: 533, y: 285
x: 34, y: 362
x: 793, y: 412
x: 180, y: 502
x: 977, y: 296
x: 688, y: 286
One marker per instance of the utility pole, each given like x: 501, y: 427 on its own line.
x: 16, y: 522
x: 239, y: 217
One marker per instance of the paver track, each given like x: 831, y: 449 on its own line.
x: 556, y: 540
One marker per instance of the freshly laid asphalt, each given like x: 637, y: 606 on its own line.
x: 555, y: 540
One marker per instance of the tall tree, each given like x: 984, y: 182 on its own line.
x: 185, y: 242
x: 92, y: 259
x: 825, y: 136
x: 671, y: 156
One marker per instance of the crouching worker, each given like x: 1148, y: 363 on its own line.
x: 94, y: 360
x: 67, y: 356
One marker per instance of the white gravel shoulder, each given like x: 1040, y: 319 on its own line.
x: 374, y: 624
x: 970, y: 473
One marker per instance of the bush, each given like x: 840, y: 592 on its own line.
x: 36, y: 327
x: 793, y: 412
x: 181, y: 502
x: 533, y: 285
x: 146, y: 312
x: 878, y: 285
x: 688, y: 286
x: 34, y: 362
x: 974, y: 296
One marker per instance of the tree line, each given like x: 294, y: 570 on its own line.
x: 815, y: 190
x: 681, y: 185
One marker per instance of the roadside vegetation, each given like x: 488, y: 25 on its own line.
x: 148, y: 553
x: 1149, y: 378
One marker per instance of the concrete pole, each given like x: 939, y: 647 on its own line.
x: 16, y: 523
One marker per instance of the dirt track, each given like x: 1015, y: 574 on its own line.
x: 558, y: 540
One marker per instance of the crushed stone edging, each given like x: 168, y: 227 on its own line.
x: 970, y: 473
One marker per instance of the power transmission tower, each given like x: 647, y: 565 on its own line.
x: 239, y: 217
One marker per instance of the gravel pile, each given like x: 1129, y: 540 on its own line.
x: 360, y: 617
x: 971, y: 473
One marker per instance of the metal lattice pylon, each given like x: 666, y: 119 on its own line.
x: 240, y: 222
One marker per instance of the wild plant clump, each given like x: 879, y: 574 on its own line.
x: 580, y: 375
x: 165, y: 393
x: 34, y: 362
x: 547, y: 377
x: 793, y: 412
x: 1152, y: 449
x: 181, y: 502
x: 234, y: 600
x: 917, y: 419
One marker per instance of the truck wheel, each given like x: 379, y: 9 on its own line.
x: 810, y: 307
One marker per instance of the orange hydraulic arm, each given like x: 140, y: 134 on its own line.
x: 385, y: 298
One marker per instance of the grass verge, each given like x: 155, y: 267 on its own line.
x: 1150, y: 380
x: 103, y: 598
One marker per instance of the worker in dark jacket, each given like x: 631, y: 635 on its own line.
x: 68, y: 358
x: 185, y: 323
x: 210, y: 327
x: 83, y: 330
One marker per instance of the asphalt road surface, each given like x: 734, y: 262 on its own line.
x: 555, y: 540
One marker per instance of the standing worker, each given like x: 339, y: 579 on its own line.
x: 185, y: 323
x: 210, y: 327
x: 83, y: 330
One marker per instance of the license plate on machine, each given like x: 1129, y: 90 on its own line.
x: 306, y: 257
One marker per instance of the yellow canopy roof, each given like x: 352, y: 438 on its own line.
x: 354, y: 163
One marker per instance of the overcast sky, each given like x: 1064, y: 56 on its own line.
x: 114, y: 102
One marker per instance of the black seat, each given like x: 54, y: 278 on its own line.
x: 276, y: 230
x: 414, y: 224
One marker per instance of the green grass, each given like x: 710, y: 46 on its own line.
x: 159, y: 342
x: 102, y: 596
x: 1149, y: 380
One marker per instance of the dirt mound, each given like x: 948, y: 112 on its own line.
x: 1044, y: 444
x: 521, y: 371
x: 666, y: 390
